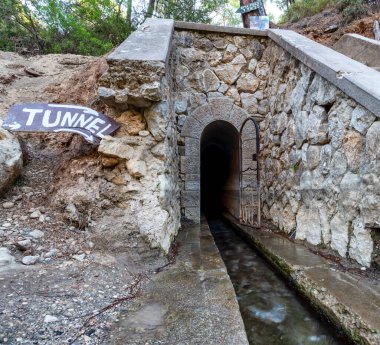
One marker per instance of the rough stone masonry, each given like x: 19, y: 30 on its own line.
x: 319, y: 121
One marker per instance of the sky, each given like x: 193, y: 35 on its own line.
x: 274, y: 10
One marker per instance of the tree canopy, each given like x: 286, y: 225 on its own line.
x: 89, y: 27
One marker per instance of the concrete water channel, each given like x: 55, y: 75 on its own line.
x: 272, y: 312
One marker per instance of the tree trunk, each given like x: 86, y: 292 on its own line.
x: 150, y: 9
x: 129, y: 12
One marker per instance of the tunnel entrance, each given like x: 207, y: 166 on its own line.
x: 220, y: 169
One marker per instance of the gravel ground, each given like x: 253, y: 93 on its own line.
x: 66, y: 302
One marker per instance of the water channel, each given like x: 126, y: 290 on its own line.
x: 272, y: 313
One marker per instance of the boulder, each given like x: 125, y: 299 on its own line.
x: 10, y: 159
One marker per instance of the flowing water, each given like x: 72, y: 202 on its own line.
x: 272, y: 313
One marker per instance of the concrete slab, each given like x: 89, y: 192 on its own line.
x: 351, y: 302
x: 360, y: 48
x: 150, y: 42
x: 192, y: 302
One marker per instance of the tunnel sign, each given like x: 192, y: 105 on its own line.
x: 42, y: 117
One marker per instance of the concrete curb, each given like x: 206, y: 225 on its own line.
x: 340, y: 314
x: 219, y: 29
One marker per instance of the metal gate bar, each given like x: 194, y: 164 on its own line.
x: 250, y: 205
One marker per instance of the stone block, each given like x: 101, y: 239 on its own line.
x: 221, y: 108
x: 192, y: 147
x: 203, y: 114
x: 190, y: 198
x: 192, y: 177
x: 193, y: 213
x: 192, y: 128
x: 237, y: 116
x: 193, y: 185
x: 190, y: 165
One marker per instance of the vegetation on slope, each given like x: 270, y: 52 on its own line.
x: 350, y: 9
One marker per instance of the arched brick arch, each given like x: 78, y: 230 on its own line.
x: 221, y: 108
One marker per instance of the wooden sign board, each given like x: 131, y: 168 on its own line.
x: 42, y: 117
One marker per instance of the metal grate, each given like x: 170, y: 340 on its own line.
x: 249, y: 180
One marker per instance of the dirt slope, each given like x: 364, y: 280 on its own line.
x: 327, y: 27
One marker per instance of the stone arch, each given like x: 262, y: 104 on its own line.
x: 221, y: 108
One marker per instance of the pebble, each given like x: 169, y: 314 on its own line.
x: 25, y: 243
x: 35, y: 214
x: 363, y: 268
x: 6, y: 225
x: 51, y: 253
x: 50, y: 318
x: 143, y: 133
x: 79, y: 257
x: 8, y: 204
x: 36, y: 234
x: 30, y: 259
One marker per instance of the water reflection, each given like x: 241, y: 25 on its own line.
x: 272, y: 313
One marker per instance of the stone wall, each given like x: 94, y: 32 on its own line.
x: 141, y: 159
x: 217, y: 77
x: 319, y: 145
x: 320, y: 160
x: 319, y: 157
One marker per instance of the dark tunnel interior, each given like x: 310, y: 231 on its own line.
x: 219, y: 169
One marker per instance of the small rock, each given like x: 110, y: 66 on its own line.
x: 331, y: 28
x: 5, y: 257
x: 30, y: 259
x: 24, y: 245
x: 143, y: 133
x: 363, y: 268
x: 8, y: 204
x: 36, y: 234
x: 35, y: 214
x: 79, y: 257
x: 6, y: 225
x: 51, y: 253
x: 50, y: 318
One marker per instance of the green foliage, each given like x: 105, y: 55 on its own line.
x: 90, y: 27
x: 352, y: 9
x: 188, y: 10
x: 226, y: 14
x: 305, y: 8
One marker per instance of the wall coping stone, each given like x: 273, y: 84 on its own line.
x: 220, y: 29
x: 358, y: 81
x: 150, y: 42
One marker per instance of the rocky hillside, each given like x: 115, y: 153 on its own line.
x: 328, y: 26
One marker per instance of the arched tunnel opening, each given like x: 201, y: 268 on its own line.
x: 220, y: 169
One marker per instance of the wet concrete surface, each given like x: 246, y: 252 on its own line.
x: 191, y: 302
x: 272, y: 312
x: 351, y: 302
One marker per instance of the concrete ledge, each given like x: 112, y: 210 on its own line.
x: 190, y: 302
x: 357, y: 80
x: 150, y: 42
x: 360, y: 48
x: 219, y: 29
x: 352, y: 304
